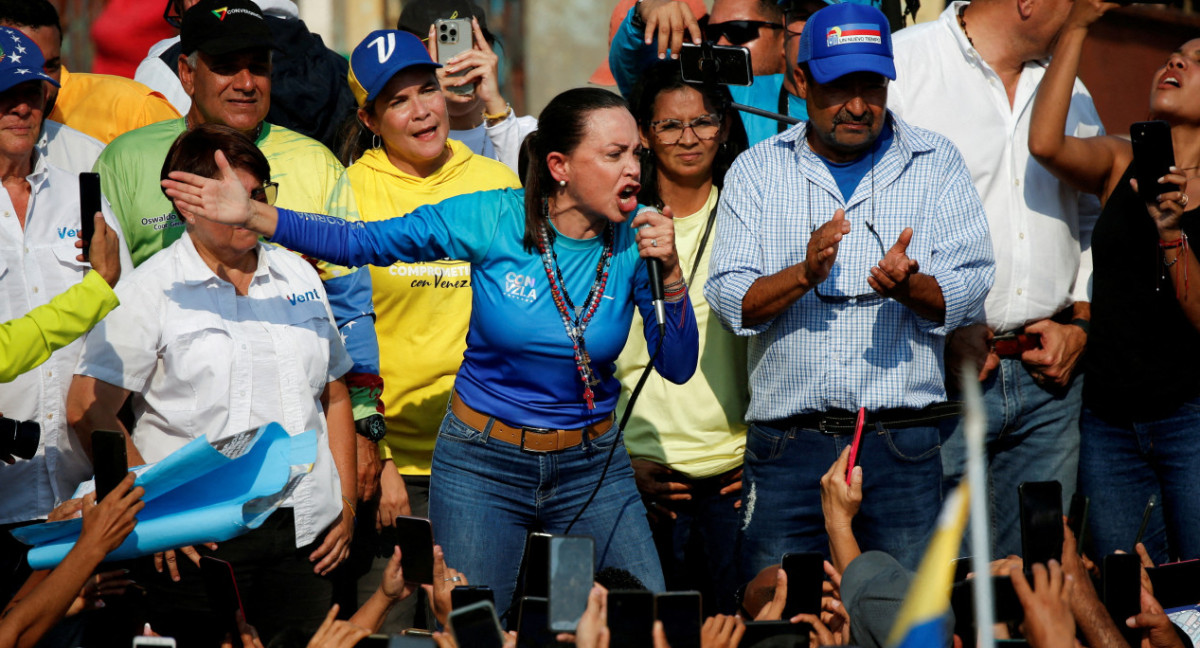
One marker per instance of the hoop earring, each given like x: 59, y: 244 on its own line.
x: 376, y: 141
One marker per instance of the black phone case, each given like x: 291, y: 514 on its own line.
x: 109, y: 461
x: 1153, y: 156
x: 415, y: 537
x: 1041, y: 522
x: 680, y: 616
x: 89, y: 204
x: 805, y: 575
x: 631, y: 618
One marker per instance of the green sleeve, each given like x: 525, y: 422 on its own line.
x: 28, y: 341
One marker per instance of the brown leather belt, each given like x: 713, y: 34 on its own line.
x: 527, y: 438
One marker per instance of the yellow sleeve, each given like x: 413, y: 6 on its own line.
x: 28, y: 341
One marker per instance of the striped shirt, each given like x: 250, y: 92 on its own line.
x: 819, y: 355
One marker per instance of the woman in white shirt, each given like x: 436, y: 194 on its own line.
x: 218, y: 334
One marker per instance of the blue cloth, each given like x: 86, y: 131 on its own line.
x: 816, y: 355
x: 629, y: 56
x: 1032, y: 435
x: 485, y: 495
x: 354, y: 312
x: 848, y: 175
x: 902, y: 491
x: 519, y: 364
x: 1121, y: 464
x: 477, y: 140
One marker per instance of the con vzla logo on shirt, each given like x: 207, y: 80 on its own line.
x: 520, y: 287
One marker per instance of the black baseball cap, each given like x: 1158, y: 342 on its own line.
x: 418, y: 15
x: 222, y: 26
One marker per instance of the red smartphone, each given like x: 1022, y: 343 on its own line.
x: 858, y: 428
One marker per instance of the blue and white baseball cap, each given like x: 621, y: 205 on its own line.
x: 21, y: 60
x: 845, y: 38
x: 380, y: 56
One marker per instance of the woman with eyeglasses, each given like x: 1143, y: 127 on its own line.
x: 217, y: 334
x: 530, y: 441
x: 687, y: 441
x: 758, y: 25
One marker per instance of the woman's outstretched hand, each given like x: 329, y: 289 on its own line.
x: 222, y: 199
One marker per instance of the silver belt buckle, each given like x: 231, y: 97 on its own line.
x: 534, y: 430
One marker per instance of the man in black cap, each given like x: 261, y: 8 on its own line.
x: 225, y: 67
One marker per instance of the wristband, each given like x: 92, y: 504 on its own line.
x: 498, y: 117
x: 1086, y: 325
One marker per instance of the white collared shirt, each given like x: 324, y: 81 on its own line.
x: 36, y: 264
x: 181, y: 342
x: 1041, y: 228
x: 68, y: 149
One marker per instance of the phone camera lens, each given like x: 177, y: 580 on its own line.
x: 454, y: 33
x: 445, y: 38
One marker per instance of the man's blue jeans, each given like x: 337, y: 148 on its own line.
x: 781, y: 508
x: 1032, y: 435
x: 1121, y: 464
x: 485, y: 495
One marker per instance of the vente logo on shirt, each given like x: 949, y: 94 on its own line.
x: 311, y: 295
x: 520, y: 287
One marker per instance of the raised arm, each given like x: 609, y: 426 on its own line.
x: 1088, y: 164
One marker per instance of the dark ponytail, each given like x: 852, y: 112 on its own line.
x: 561, y: 127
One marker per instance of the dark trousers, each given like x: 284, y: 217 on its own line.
x: 699, y: 548
x: 278, y: 587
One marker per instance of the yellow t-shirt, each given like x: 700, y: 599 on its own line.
x: 697, y: 428
x: 106, y: 106
x: 421, y: 309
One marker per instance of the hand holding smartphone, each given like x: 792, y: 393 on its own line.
x: 477, y: 625
x: 572, y: 561
x: 1153, y: 157
x: 680, y: 616
x: 414, y: 535
x: 805, y: 577
x: 1041, y: 523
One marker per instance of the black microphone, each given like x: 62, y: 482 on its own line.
x: 655, y: 271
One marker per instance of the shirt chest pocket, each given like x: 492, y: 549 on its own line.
x: 195, y: 365
x: 307, y: 337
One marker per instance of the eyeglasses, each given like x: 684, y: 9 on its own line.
x: 737, y: 32
x: 670, y: 131
x: 858, y: 299
x: 173, y: 19
x: 266, y: 193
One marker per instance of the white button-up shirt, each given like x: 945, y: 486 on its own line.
x: 36, y: 264
x: 181, y: 341
x: 1041, y: 228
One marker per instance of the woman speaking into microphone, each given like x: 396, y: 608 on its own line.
x: 556, y: 270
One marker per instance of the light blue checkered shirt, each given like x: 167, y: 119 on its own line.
x: 817, y: 356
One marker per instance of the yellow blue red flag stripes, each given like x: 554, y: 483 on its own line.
x: 923, y: 621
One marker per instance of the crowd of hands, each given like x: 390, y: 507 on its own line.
x: 1060, y: 601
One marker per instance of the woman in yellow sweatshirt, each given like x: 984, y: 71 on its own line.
x: 412, y: 163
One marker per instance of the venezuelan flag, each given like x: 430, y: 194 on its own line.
x: 923, y: 621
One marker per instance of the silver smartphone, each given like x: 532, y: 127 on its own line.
x: 453, y: 38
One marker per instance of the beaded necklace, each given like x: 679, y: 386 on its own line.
x: 575, y: 326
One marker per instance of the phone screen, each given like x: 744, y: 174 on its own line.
x: 410, y: 641
x: 631, y: 618
x: 534, y: 575
x: 1121, y: 576
x: 571, y: 580
x: 1153, y: 156
x: 476, y: 625
x: 415, y: 537
x: 464, y: 596
x: 89, y: 204
x: 222, y: 590
x: 109, y: 461
x: 805, y: 575
x: 1041, y: 522
x: 680, y: 616
x: 1077, y: 519
x: 533, y: 623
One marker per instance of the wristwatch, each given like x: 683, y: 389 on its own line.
x: 637, y: 21
x: 371, y: 427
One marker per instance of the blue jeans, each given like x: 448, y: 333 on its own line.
x: 485, y: 495
x: 699, y: 549
x: 1032, y: 435
x: 781, y: 508
x: 1122, y: 464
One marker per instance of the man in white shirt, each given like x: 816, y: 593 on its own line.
x: 39, y: 221
x: 972, y: 75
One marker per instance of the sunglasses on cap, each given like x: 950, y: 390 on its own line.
x: 737, y: 32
